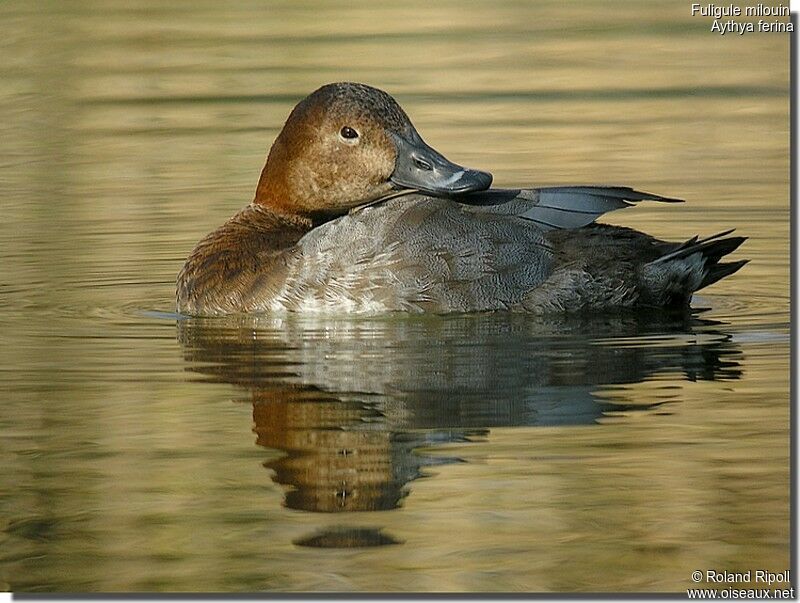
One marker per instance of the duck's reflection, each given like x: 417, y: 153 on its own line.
x: 350, y: 401
x: 341, y: 455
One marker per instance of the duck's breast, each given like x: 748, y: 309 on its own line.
x: 415, y: 254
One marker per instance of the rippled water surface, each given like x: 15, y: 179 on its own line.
x: 465, y: 453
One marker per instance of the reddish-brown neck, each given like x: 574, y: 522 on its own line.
x: 273, y: 190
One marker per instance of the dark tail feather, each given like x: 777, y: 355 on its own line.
x: 719, y: 271
x: 713, y: 248
x: 694, y: 240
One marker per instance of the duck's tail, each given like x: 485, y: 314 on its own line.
x: 672, y: 278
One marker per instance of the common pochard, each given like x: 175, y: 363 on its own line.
x: 355, y: 213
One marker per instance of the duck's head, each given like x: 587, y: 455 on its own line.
x: 349, y: 144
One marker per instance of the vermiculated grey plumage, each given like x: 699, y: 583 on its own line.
x: 534, y: 250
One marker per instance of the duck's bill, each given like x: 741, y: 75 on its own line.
x: 420, y: 167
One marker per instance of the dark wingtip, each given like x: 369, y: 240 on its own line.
x: 653, y: 197
x: 625, y: 192
x: 669, y: 199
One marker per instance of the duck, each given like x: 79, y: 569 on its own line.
x: 355, y: 213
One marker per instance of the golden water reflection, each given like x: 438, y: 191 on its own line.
x: 350, y: 404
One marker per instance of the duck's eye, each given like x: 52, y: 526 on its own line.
x: 348, y: 133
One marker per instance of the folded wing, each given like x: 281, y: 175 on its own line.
x: 559, y: 207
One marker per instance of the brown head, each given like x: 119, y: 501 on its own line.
x: 348, y: 144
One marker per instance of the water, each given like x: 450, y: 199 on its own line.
x: 463, y: 453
